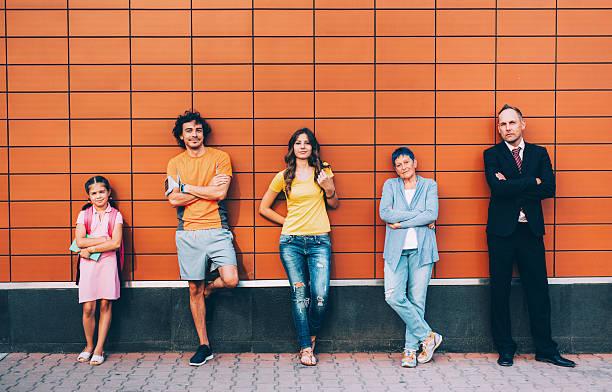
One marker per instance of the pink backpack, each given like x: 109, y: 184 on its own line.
x: 111, y: 226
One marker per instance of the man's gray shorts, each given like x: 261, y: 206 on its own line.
x: 195, y: 248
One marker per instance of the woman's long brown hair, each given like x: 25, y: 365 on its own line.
x: 314, y: 160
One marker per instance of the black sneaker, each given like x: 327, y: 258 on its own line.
x: 203, y: 354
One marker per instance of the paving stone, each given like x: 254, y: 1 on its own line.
x: 353, y: 372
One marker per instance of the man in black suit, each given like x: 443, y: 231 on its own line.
x: 520, y: 176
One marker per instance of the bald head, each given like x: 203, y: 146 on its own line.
x: 509, y: 107
x: 511, y: 125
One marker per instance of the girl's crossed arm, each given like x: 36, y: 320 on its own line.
x: 104, y: 243
x: 81, y: 237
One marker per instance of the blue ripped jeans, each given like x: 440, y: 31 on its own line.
x: 307, y: 260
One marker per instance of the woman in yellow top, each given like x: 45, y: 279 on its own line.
x: 305, y: 247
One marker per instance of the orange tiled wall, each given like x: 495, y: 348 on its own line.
x: 91, y: 87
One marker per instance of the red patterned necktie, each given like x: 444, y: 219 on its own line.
x: 517, y: 158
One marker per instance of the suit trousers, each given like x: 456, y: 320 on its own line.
x: 527, y: 250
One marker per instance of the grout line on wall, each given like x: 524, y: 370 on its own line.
x: 363, y: 145
x: 72, y: 276
x: 152, y: 37
x: 314, y: 62
x: 325, y: 118
x: 191, y: 53
x: 131, y: 232
x: 8, y: 150
x: 494, y: 130
x: 435, y: 108
x: 362, y: 91
x: 321, y: 8
x: 554, y: 227
x: 374, y: 125
x: 253, y: 133
x: 350, y: 225
x: 353, y: 252
x: 334, y: 63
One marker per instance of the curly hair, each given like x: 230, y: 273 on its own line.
x: 314, y: 159
x: 186, y: 117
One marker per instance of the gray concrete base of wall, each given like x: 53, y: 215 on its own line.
x: 259, y: 320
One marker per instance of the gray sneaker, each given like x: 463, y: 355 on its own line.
x: 409, y: 359
x: 430, y: 344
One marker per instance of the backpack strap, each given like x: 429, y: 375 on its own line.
x: 111, y: 221
x: 88, y: 218
x: 111, y: 227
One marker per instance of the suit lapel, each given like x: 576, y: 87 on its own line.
x: 507, y: 155
x: 528, y: 157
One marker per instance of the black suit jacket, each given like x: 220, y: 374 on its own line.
x: 519, y: 190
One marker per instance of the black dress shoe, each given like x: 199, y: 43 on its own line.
x: 556, y: 359
x: 505, y: 359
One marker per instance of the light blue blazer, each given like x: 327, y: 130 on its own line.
x: 423, y: 210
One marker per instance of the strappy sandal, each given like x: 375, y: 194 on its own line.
x: 313, y: 343
x: 307, y: 358
x: 97, y: 360
x: 84, y: 357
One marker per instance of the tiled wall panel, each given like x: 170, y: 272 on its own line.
x: 92, y: 87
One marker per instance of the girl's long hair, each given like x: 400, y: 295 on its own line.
x: 97, y: 180
x: 314, y: 160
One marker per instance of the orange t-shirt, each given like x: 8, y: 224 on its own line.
x: 202, y: 214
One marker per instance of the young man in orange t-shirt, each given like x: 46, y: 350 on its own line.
x: 197, y: 183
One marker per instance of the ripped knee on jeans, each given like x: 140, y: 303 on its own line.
x: 320, y: 301
x: 299, y: 294
x: 389, y: 293
x: 394, y: 299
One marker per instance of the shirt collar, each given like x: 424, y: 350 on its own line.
x: 107, y: 210
x: 521, y: 145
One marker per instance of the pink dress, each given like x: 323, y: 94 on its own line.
x: 99, y: 279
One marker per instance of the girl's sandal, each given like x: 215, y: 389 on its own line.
x: 84, y: 357
x: 97, y: 360
x: 307, y: 358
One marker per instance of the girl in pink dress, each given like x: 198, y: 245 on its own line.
x: 98, y: 230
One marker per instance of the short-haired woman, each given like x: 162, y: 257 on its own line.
x: 409, y: 206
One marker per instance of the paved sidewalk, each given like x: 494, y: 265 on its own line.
x: 280, y: 372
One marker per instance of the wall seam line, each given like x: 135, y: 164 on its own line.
x: 131, y: 138
x: 374, y: 139
x: 8, y: 147
x: 191, y: 66
x: 554, y: 227
x: 253, y: 136
x: 68, y: 97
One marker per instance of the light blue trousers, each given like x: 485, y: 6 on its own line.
x: 406, y: 292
